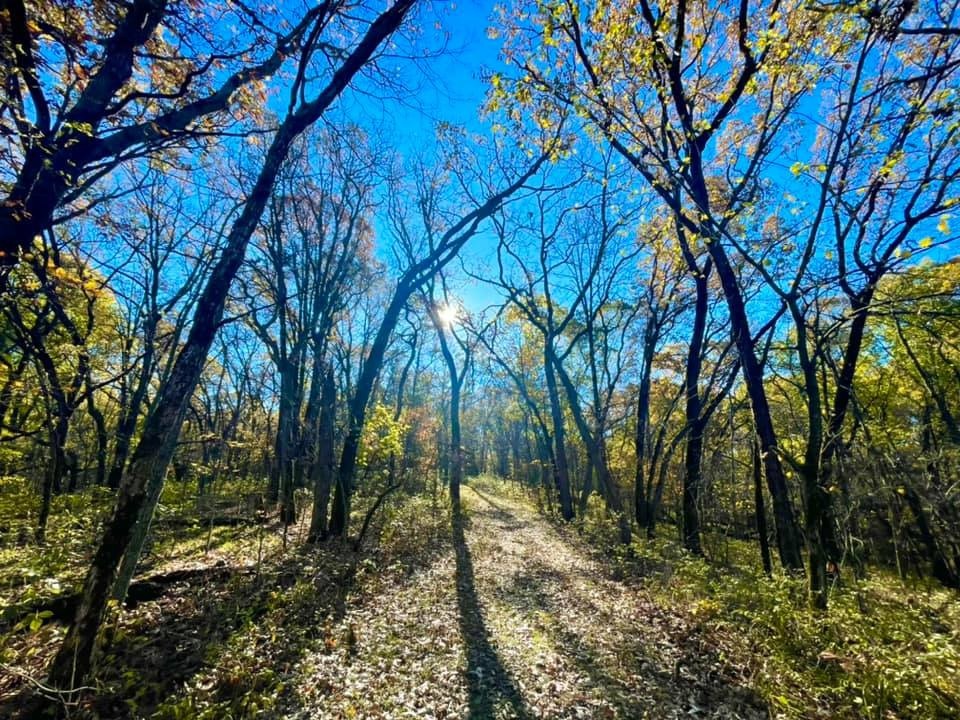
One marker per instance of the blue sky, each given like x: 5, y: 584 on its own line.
x: 449, y: 88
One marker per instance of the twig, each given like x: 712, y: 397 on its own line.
x: 47, y: 691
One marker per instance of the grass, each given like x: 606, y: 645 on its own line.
x: 885, y: 649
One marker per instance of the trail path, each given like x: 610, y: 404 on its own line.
x: 520, y: 620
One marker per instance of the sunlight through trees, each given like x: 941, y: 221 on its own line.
x: 532, y: 359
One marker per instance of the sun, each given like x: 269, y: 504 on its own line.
x: 447, y: 314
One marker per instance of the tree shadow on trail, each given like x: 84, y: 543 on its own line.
x: 674, y: 672
x: 493, y: 692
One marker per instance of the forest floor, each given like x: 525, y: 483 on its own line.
x: 520, y: 620
x: 502, y: 613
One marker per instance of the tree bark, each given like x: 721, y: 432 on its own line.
x: 642, y: 507
x: 131, y: 412
x: 816, y: 496
x: 286, y: 439
x: 101, y: 428
x: 560, y: 468
x: 323, y: 466
x: 142, y: 483
x: 456, y: 442
x: 597, y: 456
x: 761, y: 509
x: 696, y: 424
x: 788, y: 536
x: 343, y: 489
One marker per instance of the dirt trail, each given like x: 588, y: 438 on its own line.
x: 519, y: 621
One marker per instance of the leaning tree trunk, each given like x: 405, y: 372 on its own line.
x: 788, y: 535
x: 150, y: 460
x: 343, y: 489
x: 138, y: 540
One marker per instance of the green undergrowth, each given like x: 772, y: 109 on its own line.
x: 492, y: 485
x: 228, y: 646
x: 32, y: 572
x: 29, y: 571
x: 885, y: 649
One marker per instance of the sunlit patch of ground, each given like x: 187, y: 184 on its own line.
x: 516, y: 621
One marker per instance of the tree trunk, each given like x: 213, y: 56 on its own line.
x: 561, y: 470
x: 692, y: 482
x: 788, y: 536
x: 102, y: 439
x: 307, y: 450
x: 587, y: 490
x: 323, y: 466
x: 286, y: 439
x: 760, y: 509
x: 817, y: 498
x: 656, y: 477
x: 859, y: 308
x: 55, y: 472
x: 596, y: 453
x: 138, y: 540
x: 456, y: 383
x: 940, y: 566
x: 456, y: 445
x: 641, y: 490
x: 143, y: 481
x: 343, y: 490
x: 692, y: 479
x: 130, y: 413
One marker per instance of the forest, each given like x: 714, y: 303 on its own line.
x: 429, y: 359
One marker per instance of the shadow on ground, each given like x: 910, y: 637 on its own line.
x: 492, y: 691
x: 148, y: 656
x: 618, y: 660
x: 224, y: 645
